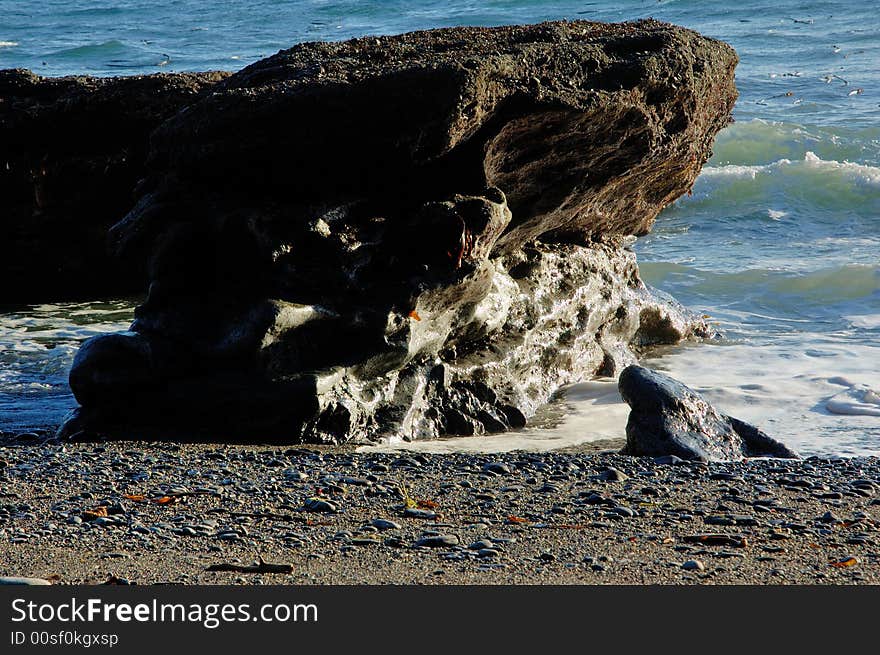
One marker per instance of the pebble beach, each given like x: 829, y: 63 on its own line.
x: 160, y: 513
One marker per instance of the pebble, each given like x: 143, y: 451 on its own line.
x: 612, y: 475
x: 483, y: 543
x: 321, y: 505
x: 693, y: 565
x: 416, y: 513
x: 385, y: 524
x: 406, y: 462
x: 31, y: 582
x: 438, y: 541
x: 557, y: 491
x: 731, y: 519
x: 668, y: 460
x: 356, y: 482
x: 497, y: 468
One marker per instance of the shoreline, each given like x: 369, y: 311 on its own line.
x: 513, y: 518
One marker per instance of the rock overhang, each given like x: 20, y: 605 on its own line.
x: 448, y: 208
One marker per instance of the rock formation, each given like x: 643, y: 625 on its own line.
x: 414, y: 235
x: 72, y: 151
x: 668, y: 418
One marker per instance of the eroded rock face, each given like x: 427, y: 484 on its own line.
x: 72, y: 151
x: 668, y: 418
x: 412, y: 235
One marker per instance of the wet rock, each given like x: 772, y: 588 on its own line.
x: 668, y: 418
x: 445, y: 217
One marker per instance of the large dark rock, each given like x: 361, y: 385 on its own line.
x: 72, y: 151
x: 412, y: 235
x: 668, y: 418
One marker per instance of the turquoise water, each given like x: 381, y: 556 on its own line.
x: 779, y: 242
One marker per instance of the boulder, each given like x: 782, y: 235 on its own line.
x: 406, y: 236
x: 668, y: 418
x: 72, y: 151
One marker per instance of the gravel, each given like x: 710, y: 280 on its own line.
x: 147, y: 512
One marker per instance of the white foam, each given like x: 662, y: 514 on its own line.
x: 775, y: 214
x: 740, y: 171
x: 785, y: 388
x: 8, y: 44
x: 859, y: 173
x: 596, y: 413
x: 864, y: 321
x: 858, y: 400
x: 37, y: 347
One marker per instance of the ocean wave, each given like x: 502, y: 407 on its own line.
x: 37, y: 347
x: 758, y: 142
x: 113, y: 47
x: 8, y: 44
x: 109, y: 55
x: 828, y: 190
x: 765, y: 287
x: 864, y: 321
x: 811, y: 166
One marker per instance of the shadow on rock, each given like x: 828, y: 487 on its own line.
x: 410, y: 235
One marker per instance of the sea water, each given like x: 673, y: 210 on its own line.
x: 779, y: 242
